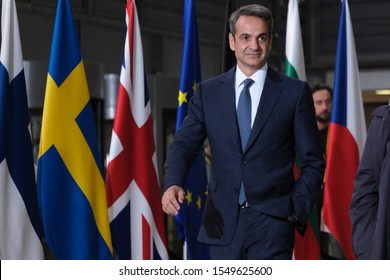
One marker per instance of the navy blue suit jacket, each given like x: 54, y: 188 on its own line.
x: 284, y: 127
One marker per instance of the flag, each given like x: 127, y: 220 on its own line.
x: 295, y: 60
x: 71, y: 188
x: 306, y: 247
x: 188, y: 220
x: 228, y: 59
x: 346, y: 136
x: 133, y: 192
x: 20, y: 224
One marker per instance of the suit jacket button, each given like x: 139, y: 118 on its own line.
x: 292, y: 219
x: 235, y: 190
x: 243, y: 162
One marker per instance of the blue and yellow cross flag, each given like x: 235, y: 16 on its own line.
x: 71, y: 188
x: 188, y: 220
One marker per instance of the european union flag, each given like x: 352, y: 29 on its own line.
x: 71, y: 188
x: 189, y: 218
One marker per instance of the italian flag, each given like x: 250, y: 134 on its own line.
x: 307, y: 247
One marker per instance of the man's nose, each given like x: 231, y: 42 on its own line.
x: 254, y: 43
x: 323, y: 105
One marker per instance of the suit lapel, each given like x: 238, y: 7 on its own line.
x: 271, y: 92
x: 227, y: 101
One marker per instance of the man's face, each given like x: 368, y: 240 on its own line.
x: 323, y: 105
x: 251, y: 44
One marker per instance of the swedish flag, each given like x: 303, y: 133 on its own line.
x: 71, y: 187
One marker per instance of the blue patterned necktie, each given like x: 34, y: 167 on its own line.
x: 244, y: 117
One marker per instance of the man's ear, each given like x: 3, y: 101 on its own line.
x: 232, y: 42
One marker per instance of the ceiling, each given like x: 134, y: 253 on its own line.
x: 319, y: 23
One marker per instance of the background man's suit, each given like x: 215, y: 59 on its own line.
x: 284, y: 123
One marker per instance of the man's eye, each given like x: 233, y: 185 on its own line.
x: 263, y: 38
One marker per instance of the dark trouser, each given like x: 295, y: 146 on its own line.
x: 257, y: 237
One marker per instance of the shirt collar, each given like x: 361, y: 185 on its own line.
x: 257, y: 77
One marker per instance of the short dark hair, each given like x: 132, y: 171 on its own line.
x: 251, y: 10
x: 322, y: 86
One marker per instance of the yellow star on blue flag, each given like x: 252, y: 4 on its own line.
x: 189, y: 218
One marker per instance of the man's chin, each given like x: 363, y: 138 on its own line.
x: 322, y: 119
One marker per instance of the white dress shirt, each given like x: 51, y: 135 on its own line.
x: 255, y: 90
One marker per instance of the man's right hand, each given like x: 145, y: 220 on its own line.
x: 171, y: 200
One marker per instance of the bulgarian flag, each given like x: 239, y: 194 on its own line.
x: 295, y: 60
x: 307, y: 247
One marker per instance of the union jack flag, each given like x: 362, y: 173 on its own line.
x: 133, y: 193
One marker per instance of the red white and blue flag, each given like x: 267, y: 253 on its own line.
x: 346, y: 137
x: 133, y: 192
x: 20, y: 223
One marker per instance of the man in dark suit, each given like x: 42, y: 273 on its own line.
x: 253, y: 204
x: 370, y: 204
